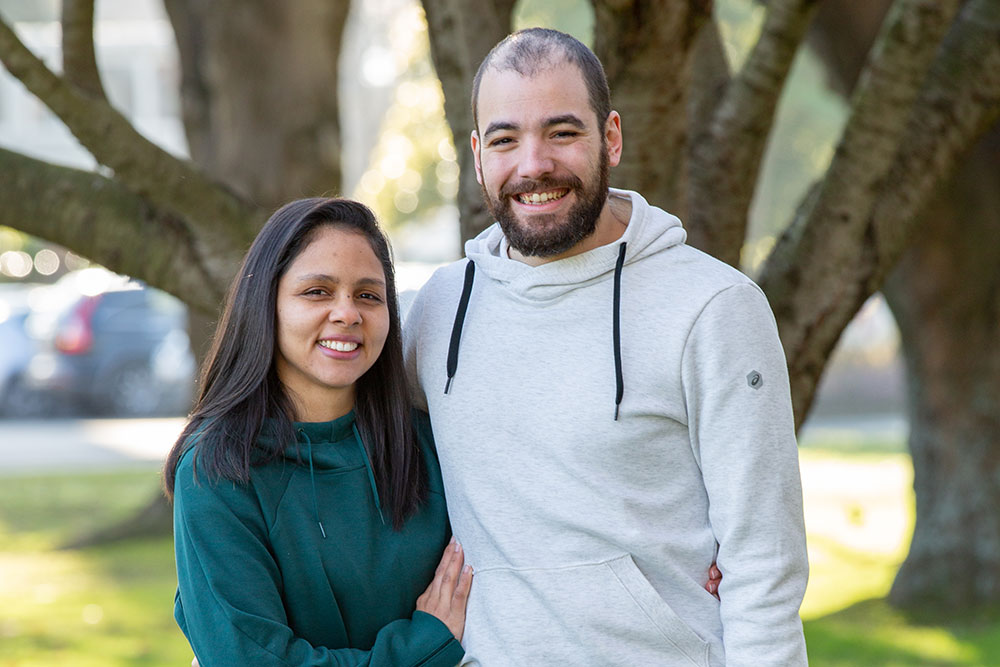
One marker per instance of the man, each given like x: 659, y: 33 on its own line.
x: 611, y: 409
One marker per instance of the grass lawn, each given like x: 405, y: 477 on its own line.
x: 113, y: 605
x: 91, y: 607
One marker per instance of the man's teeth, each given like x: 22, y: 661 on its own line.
x: 338, y: 345
x: 539, y: 197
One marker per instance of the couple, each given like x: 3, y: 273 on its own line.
x: 610, y: 409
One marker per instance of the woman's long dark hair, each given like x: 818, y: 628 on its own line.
x: 239, y: 382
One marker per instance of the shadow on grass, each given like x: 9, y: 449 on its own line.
x: 873, y: 633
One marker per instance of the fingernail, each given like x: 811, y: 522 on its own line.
x: 468, y: 569
x: 452, y: 540
x: 458, y: 546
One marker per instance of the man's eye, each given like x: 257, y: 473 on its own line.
x: 501, y: 141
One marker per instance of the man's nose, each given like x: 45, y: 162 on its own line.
x: 536, y: 160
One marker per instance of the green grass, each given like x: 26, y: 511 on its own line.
x: 98, y: 606
x: 112, y: 605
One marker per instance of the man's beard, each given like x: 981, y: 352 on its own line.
x: 548, y: 235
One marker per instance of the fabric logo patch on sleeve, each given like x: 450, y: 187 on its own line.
x: 755, y: 380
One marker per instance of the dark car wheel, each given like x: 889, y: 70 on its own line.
x: 18, y: 400
x: 132, y: 392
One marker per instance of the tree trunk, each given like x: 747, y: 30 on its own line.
x: 945, y: 295
x: 647, y: 51
x: 259, y: 93
x: 946, y: 299
x: 461, y: 33
x: 263, y: 120
x: 154, y: 519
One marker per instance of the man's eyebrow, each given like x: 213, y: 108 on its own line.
x: 499, y: 126
x: 566, y: 119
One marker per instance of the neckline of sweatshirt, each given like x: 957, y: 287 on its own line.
x: 648, y: 232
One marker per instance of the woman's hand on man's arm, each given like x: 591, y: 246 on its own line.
x: 447, y: 595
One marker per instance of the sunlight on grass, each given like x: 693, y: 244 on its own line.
x: 99, y: 606
x: 859, y: 518
x: 113, y: 605
x: 859, y: 510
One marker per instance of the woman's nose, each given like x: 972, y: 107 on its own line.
x: 345, y: 311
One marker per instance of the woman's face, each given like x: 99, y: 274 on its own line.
x: 332, y: 321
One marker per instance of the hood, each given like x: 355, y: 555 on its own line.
x: 649, y: 231
x: 333, y: 443
x: 325, y: 446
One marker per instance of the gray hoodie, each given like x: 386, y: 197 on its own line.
x: 591, y: 536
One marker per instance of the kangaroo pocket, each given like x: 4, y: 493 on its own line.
x: 603, y: 613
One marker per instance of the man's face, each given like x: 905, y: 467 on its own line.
x: 542, y: 158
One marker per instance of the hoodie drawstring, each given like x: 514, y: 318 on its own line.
x: 312, y: 480
x: 456, y: 329
x: 368, y: 467
x: 616, y: 333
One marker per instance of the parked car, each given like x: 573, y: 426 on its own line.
x: 16, y: 349
x: 113, y: 346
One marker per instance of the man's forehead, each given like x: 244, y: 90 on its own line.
x: 506, y: 85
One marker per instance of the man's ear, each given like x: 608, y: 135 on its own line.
x: 613, y: 138
x: 474, y: 142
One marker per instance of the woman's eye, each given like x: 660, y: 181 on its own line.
x: 315, y: 291
x: 370, y: 296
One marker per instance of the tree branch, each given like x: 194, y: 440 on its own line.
x: 97, y: 217
x: 814, y: 278
x: 726, y: 163
x: 79, y: 61
x: 710, y: 68
x: 958, y: 104
x: 170, y: 183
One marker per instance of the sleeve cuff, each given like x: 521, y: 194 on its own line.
x: 449, y: 651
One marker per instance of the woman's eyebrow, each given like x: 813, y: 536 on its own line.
x: 327, y: 278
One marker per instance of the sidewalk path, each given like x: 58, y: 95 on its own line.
x: 72, y: 444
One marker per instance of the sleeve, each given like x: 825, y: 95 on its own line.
x: 229, y: 602
x: 742, y: 429
x: 411, y: 336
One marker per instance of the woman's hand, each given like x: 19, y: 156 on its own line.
x: 447, y: 595
x: 714, y: 578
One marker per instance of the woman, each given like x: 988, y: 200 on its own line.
x: 308, y: 508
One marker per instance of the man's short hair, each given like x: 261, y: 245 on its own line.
x: 532, y: 50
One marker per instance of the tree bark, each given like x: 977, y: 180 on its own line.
x: 79, y: 61
x: 838, y: 249
x: 726, y: 157
x: 647, y: 49
x: 945, y: 295
x: 168, y: 182
x: 461, y: 33
x: 98, y: 217
x: 259, y: 94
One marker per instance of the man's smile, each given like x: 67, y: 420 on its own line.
x: 541, y: 197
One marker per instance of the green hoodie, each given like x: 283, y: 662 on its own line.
x: 259, y: 584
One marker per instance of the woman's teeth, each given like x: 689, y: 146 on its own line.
x: 338, y: 345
